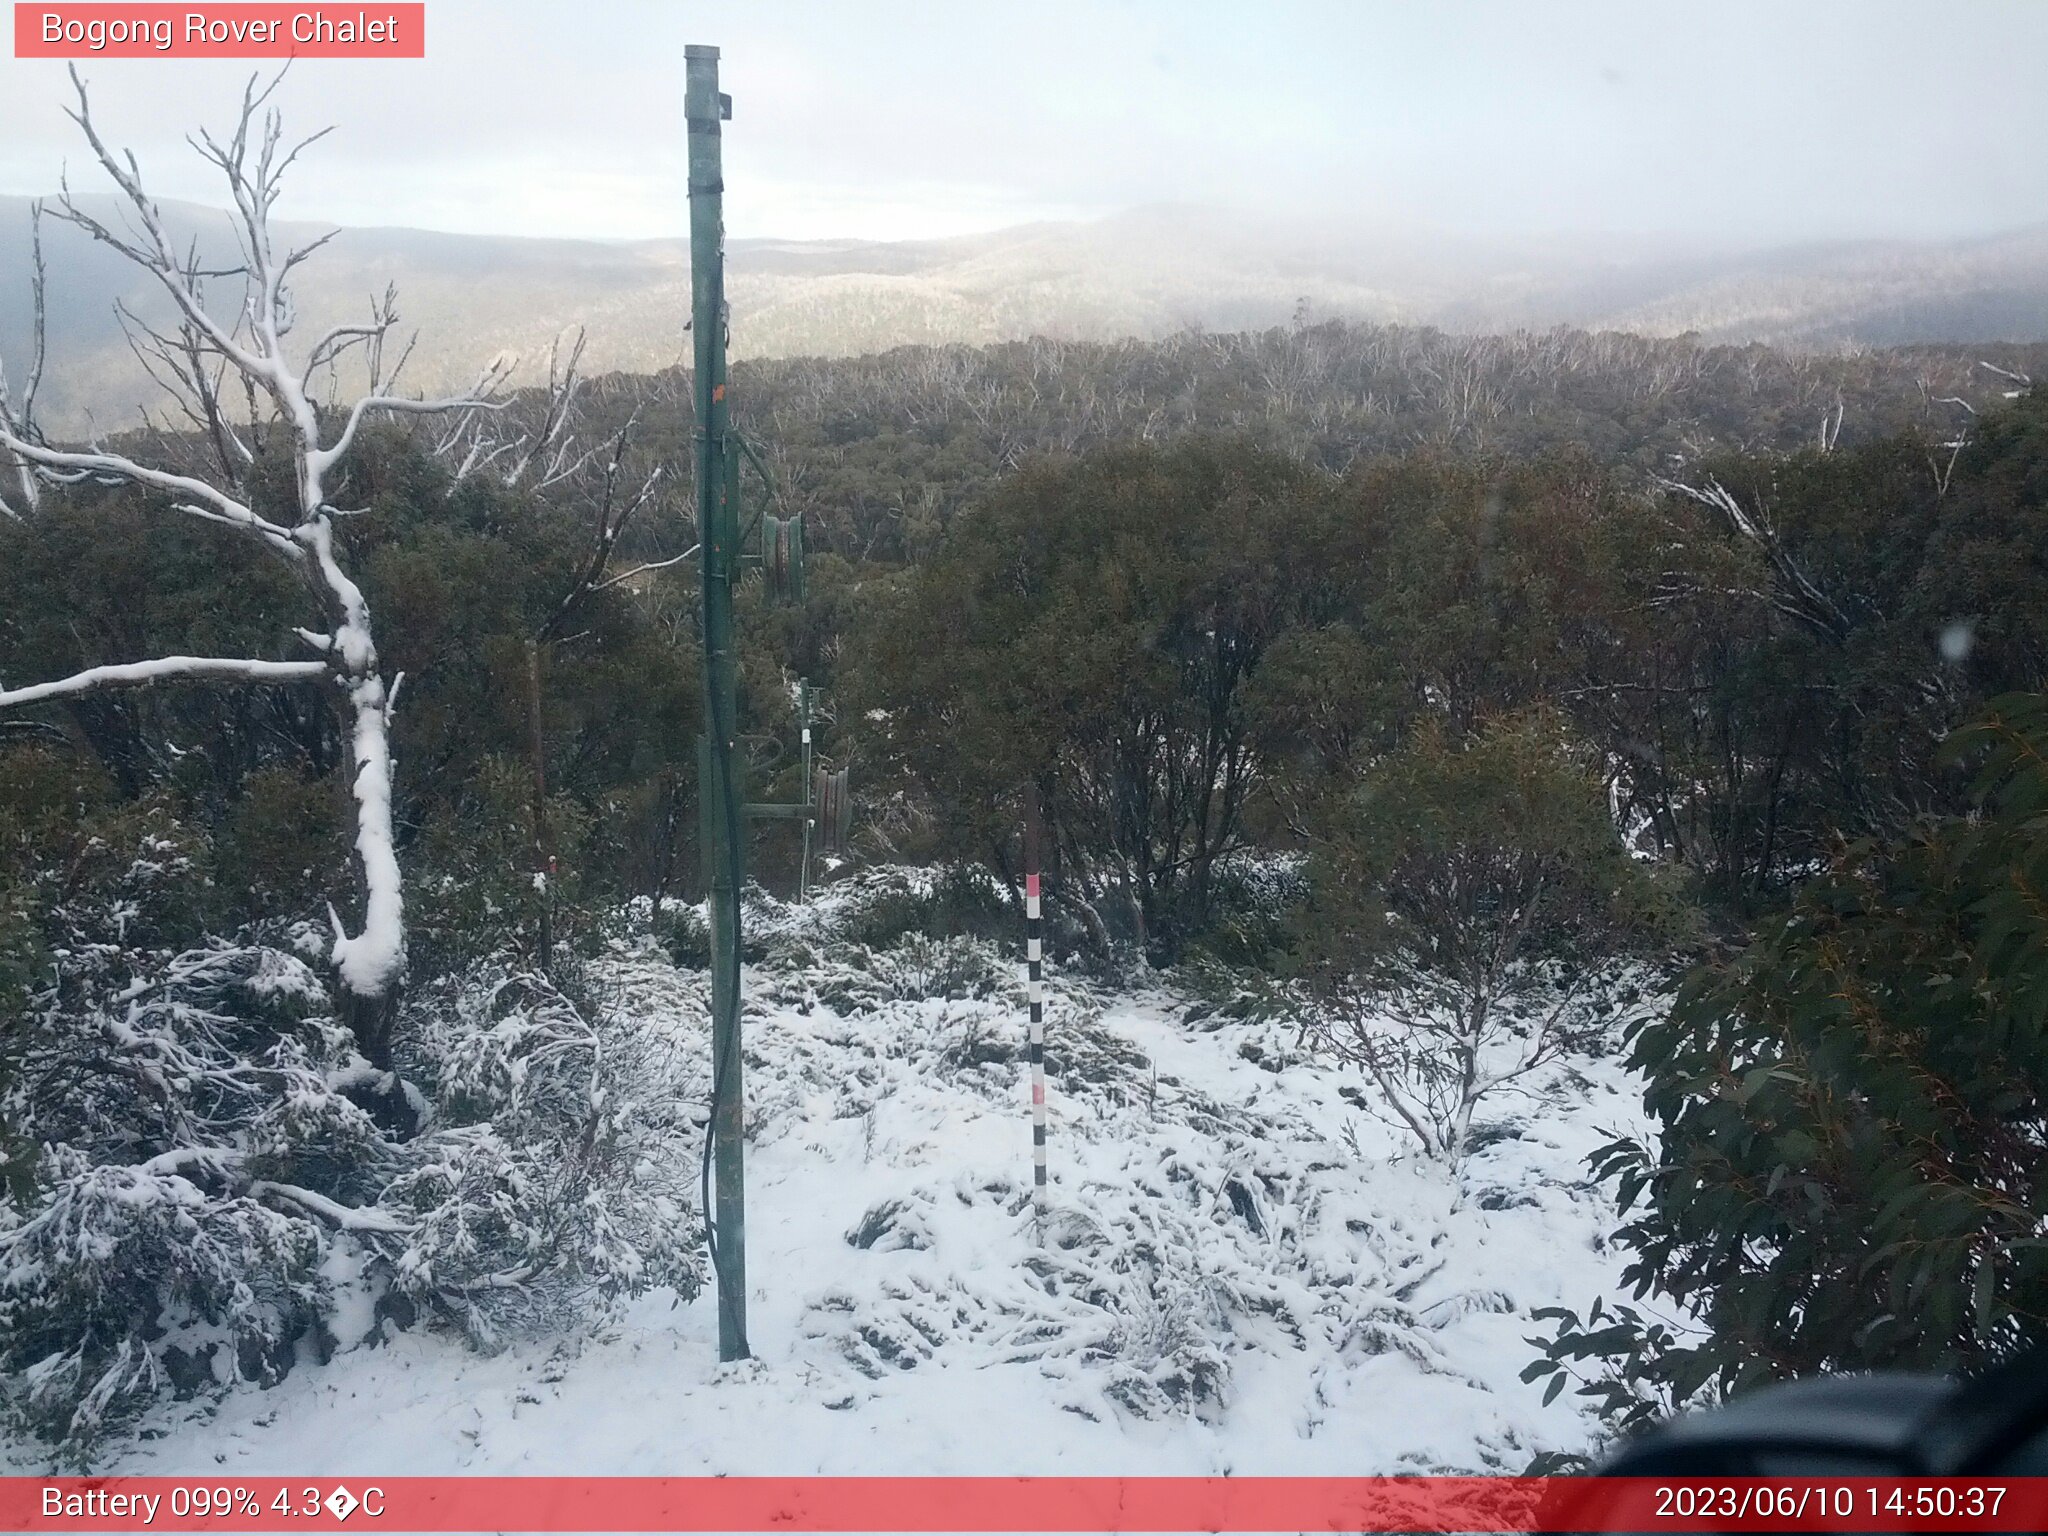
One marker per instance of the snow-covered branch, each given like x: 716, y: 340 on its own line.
x: 141, y: 674
x: 642, y: 570
x: 60, y: 466
x: 349, y: 1218
x: 531, y: 444
x: 17, y: 417
x: 478, y: 399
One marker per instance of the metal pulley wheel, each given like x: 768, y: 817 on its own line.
x: 782, y: 557
x: 834, y: 804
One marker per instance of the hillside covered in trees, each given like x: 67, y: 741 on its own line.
x: 1428, y: 704
x: 1143, y: 276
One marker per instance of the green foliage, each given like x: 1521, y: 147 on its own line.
x: 102, y: 576
x: 685, y: 934
x: 459, y: 581
x: 1641, y: 1376
x: 1093, y: 625
x: 81, y: 861
x: 1850, y: 1151
x: 1469, y: 905
x: 879, y: 907
x: 1790, y: 683
x: 1458, y: 855
x: 474, y: 886
x: 281, y: 838
x: 1254, y: 902
x: 883, y: 451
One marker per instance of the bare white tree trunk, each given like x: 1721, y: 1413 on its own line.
x: 191, y: 364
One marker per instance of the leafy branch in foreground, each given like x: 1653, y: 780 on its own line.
x: 1853, y: 1117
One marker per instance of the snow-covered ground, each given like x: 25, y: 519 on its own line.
x: 1243, y: 1272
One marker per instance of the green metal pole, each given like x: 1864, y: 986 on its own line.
x: 803, y: 720
x: 723, y: 815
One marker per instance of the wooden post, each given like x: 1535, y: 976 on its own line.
x: 803, y: 720
x: 543, y: 854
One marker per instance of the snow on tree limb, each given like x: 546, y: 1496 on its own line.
x: 373, y: 961
x: 349, y: 1218
x: 2021, y: 379
x: 268, y: 314
x: 642, y: 570
x: 535, y: 451
x: 205, y: 501
x: 164, y: 669
x: 478, y: 399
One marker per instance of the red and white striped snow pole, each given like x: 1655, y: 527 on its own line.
x: 1034, y: 988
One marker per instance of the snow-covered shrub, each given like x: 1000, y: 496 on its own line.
x: 1151, y: 1304
x: 882, y: 904
x: 879, y: 906
x: 553, y: 1178
x: 873, y: 935
x: 208, y: 1196
x: 1220, y: 992
x: 873, y: 939
x: 948, y: 968
x: 1132, y: 1299
x: 1433, y: 1057
x: 685, y: 933
x: 197, y: 1189
x: 130, y: 1280
x: 1141, y: 1293
x: 850, y: 978
x: 195, y: 1146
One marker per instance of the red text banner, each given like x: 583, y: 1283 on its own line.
x: 1066, y: 1504
x: 241, y: 31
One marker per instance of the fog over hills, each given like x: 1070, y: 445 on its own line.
x: 1144, y: 273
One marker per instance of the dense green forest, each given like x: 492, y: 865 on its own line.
x: 1757, y: 675
x: 1508, y: 660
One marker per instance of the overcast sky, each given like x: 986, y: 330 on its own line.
x: 1750, y: 123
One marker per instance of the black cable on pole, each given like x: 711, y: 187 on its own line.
x: 727, y: 1300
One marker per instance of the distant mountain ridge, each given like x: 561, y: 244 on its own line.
x: 1145, y: 273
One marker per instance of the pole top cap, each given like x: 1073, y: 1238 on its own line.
x: 699, y: 51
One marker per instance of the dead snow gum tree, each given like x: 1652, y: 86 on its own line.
x: 202, y: 356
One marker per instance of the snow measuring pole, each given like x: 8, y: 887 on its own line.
x: 721, y: 815
x: 1034, y: 986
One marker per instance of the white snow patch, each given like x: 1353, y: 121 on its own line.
x: 1243, y: 1273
